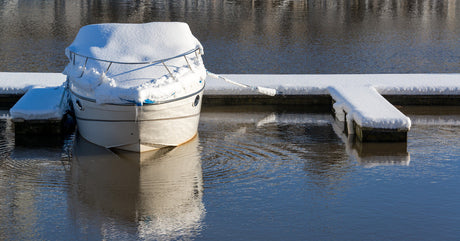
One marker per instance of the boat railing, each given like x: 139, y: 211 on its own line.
x: 196, y: 51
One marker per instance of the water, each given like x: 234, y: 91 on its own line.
x: 270, y: 36
x: 253, y: 172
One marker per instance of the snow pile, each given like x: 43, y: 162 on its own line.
x: 41, y: 103
x: 367, y: 108
x: 138, y: 82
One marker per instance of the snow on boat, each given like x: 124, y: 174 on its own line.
x: 136, y: 87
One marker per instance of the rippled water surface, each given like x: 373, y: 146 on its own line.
x: 252, y: 173
x: 254, y: 36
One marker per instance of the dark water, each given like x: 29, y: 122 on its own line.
x: 244, y: 36
x: 253, y: 173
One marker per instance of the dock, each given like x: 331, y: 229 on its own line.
x: 363, y: 103
x: 37, y: 105
x: 368, y: 115
x: 40, y: 111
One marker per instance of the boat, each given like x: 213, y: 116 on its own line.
x: 136, y: 87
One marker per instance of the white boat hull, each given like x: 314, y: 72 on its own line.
x: 138, y: 128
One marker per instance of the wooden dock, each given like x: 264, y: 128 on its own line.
x: 42, y: 112
x: 363, y: 103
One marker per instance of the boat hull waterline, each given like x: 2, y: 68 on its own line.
x: 138, y: 128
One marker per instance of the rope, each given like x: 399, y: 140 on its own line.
x: 262, y: 90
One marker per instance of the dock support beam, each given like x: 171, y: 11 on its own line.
x: 379, y: 135
x: 43, y: 132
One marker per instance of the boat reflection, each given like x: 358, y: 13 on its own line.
x: 158, y: 193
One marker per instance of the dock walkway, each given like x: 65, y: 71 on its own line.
x: 40, y: 103
x: 363, y: 98
x: 363, y: 102
x: 368, y: 114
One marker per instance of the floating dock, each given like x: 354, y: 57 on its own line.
x: 364, y: 103
x: 37, y: 105
x: 369, y: 115
x: 40, y: 111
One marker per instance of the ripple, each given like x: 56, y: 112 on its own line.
x: 29, y: 167
x: 277, y: 148
x: 6, y: 137
x: 243, y: 159
x: 45, y: 170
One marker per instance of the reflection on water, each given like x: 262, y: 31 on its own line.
x: 6, y: 137
x: 254, y: 172
x: 26, y: 173
x: 261, y: 173
x: 241, y: 144
x: 373, y: 154
x: 159, y: 192
x: 258, y: 36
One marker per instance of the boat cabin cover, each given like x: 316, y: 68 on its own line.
x: 135, y: 63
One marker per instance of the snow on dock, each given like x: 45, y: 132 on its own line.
x: 41, y: 112
x: 41, y: 103
x: 285, y: 84
x: 318, y: 84
x: 358, y: 95
x: 368, y: 115
x: 358, y: 100
x: 13, y: 85
x: 16, y: 83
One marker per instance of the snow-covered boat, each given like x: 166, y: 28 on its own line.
x: 136, y: 87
